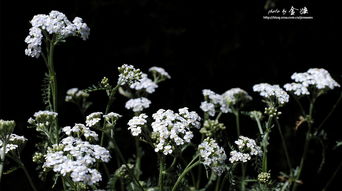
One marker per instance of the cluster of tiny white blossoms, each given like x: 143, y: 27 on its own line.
x: 76, y: 158
x: 138, y: 104
x: 135, y: 124
x: 212, y: 102
x: 42, y: 119
x: 212, y: 155
x: 317, y: 78
x: 272, y: 92
x: 145, y: 84
x: 111, y: 117
x: 247, y: 148
x: 128, y: 75
x: 93, y: 119
x: 56, y: 23
x: 160, y: 71
x: 75, y: 94
x: 235, y: 96
x: 12, y: 143
x: 80, y: 129
x: 172, y: 129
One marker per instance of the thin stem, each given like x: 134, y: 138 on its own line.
x: 186, y: 170
x: 2, y: 158
x: 330, y: 113
x: 332, y: 177
x: 161, y: 173
x: 237, y: 121
x: 306, y: 145
x: 243, y: 177
x: 223, y: 182
x: 300, y: 105
x: 137, y: 166
x: 259, y: 126
x: 284, y: 145
x: 22, y: 166
x: 218, y: 183
x: 265, y: 144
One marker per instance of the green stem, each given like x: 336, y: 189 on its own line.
x: 284, y: 145
x: 237, y: 120
x: 137, y: 166
x: 306, y: 145
x: 259, y: 126
x: 243, y: 177
x: 218, y: 183
x: 161, y: 172
x: 186, y: 170
x: 332, y: 177
x: 223, y: 182
x: 265, y: 144
x: 330, y: 113
x: 2, y: 158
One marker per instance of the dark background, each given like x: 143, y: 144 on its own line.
x: 210, y: 44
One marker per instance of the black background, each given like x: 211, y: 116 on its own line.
x: 211, y: 44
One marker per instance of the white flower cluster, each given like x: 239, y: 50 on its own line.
x: 247, y: 148
x: 138, y: 104
x: 212, y: 155
x: 235, y: 96
x: 145, y: 84
x: 75, y: 94
x: 172, y: 129
x: 128, y: 75
x: 160, y: 71
x: 80, y: 129
x: 56, y: 23
x: 317, y: 78
x: 13, y: 143
x: 272, y: 92
x: 136, y: 123
x: 76, y: 158
x: 111, y: 116
x: 213, y: 102
x: 93, y: 119
x: 42, y: 119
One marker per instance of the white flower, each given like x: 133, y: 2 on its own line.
x: 56, y: 23
x: 138, y: 104
x: 43, y: 119
x: 316, y: 77
x: 235, y: 96
x: 13, y: 143
x: 145, y: 84
x: 76, y: 158
x: 75, y: 94
x: 212, y: 155
x: 128, y: 74
x: 80, y: 129
x: 93, y: 119
x: 297, y: 89
x: 208, y: 108
x: 160, y: 71
x: 136, y: 123
x: 272, y: 92
x: 247, y: 148
x: 172, y: 129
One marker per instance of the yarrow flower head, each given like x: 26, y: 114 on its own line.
x: 211, y: 127
x: 76, y: 158
x: 138, y: 104
x: 273, y: 94
x: 145, y: 84
x: 128, y: 75
x: 171, y: 130
x: 212, y: 155
x: 74, y: 94
x: 159, y: 73
x: 136, y: 123
x: 314, y: 78
x: 43, y: 119
x: 6, y: 129
x: 213, y: 102
x: 13, y: 142
x: 80, y: 129
x: 236, y: 98
x: 56, y: 23
x: 93, y: 119
x: 246, y: 148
